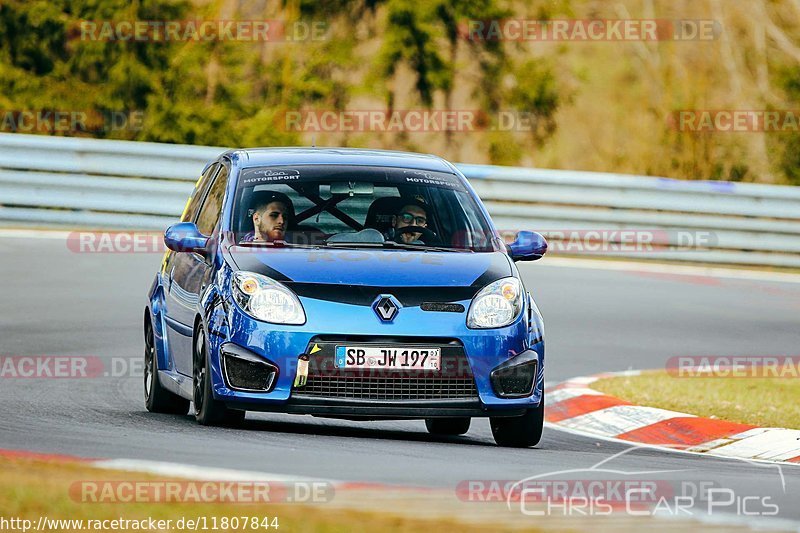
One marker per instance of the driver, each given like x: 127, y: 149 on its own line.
x: 272, y: 213
x: 413, y: 213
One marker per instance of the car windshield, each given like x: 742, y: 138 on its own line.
x: 357, y: 207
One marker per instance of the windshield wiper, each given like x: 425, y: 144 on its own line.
x: 344, y: 244
x: 396, y: 245
x: 423, y: 247
x: 272, y: 244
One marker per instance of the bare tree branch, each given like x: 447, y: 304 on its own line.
x: 728, y: 58
x: 783, y: 42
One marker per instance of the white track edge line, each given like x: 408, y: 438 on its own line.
x: 201, y: 473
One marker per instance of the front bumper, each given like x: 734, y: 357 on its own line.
x: 483, y: 351
x: 377, y: 410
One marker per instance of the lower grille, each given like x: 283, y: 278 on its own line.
x: 389, y: 388
x: 453, y: 382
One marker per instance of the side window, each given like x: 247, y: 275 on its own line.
x: 212, y: 207
x: 193, y: 204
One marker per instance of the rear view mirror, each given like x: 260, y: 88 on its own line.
x: 185, y: 237
x: 351, y: 188
x: 528, y: 246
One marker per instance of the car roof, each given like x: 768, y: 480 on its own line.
x: 256, y: 157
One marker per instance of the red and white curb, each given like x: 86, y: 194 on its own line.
x: 574, y: 406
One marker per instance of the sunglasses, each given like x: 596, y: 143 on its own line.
x: 408, y: 218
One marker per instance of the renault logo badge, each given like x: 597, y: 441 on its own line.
x: 386, y: 308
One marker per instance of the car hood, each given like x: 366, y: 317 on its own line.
x: 374, y: 268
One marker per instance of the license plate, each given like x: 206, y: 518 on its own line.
x: 402, y: 358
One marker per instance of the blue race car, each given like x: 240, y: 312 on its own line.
x: 344, y: 283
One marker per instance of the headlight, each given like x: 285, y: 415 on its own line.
x: 265, y: 299
x: 496, y: 305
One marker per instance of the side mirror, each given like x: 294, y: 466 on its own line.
x: 528, y: 246
x: 185, y: 237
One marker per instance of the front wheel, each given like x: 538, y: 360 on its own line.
x: 157, y: 399
x: 519, y: 431
x: 207, y: 410
x: 447, y: 426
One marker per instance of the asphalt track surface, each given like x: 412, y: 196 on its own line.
x: 57, y: 302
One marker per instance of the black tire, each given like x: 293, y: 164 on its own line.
x: 207, y: 410
x: 519, y: 431
x: 157, y: 399
x: 447, y: 426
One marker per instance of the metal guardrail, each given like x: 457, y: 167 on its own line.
x: 88, y: 183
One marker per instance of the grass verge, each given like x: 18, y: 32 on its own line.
x: 30, y: 488
x: 766, y: 402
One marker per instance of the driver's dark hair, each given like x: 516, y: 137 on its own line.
x: 262, y: 199
x: 415, y: 203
